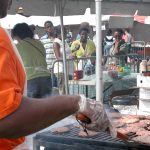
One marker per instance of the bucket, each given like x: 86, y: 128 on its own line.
x: 78, y: 74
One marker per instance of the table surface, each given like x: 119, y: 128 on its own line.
x: 122, y: 83
x: 91, y: 80
x: 83, y: 82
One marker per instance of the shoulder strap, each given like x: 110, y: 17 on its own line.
x: 108, y: 40
x: 34, y: 47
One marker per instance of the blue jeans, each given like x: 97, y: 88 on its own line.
x: 107, y: 49
x: 39, y: 87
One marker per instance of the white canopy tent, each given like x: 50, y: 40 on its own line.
x: 68, y: 20
x: 11, y: 20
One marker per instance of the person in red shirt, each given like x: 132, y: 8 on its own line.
x: 21, y: 115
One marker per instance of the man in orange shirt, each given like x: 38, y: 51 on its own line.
x: 21, y: 115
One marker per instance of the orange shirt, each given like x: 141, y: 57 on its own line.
x: 12, y: 80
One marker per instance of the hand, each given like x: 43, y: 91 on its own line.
x: 95, y: 112
x: 77, y: 47
x: 72, y: 56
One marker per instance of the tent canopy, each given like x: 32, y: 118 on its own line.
x: 68, y: 20
x: 50, y: 7
x: 78, y: 7
x: 121, y: 22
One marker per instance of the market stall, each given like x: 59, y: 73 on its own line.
x: 98, y: 77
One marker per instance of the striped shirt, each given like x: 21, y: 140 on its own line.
x: 50, y: 55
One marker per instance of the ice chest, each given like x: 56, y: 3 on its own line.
x: 143, y: 81
x: 144, y: 105
x: 144, y: 93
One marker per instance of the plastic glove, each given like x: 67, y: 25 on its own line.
x: 94, y: 111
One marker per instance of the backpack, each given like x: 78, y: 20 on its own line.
x: 89, y: 69
x: 108, y: 41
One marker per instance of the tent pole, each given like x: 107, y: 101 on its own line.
x: 99, y: 71
x: 63, y: 43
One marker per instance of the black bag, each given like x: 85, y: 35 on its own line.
x: 89, y: 69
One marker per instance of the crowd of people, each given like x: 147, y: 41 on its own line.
x: 39, y: 54
x: 117, y: 43
x: 113, y: 41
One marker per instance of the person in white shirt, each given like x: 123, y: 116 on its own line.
x: 108, y: 42
x: 47, y: 41
x: 58, y: 51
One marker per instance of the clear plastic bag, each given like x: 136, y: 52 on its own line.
x: 95, y: 111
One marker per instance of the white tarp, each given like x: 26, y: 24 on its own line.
x: 10, y: 20
x: 40, y: 20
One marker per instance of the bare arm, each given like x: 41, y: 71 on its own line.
x: 36, y: 114
x: 116, y: 47
x: 56, y: 47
